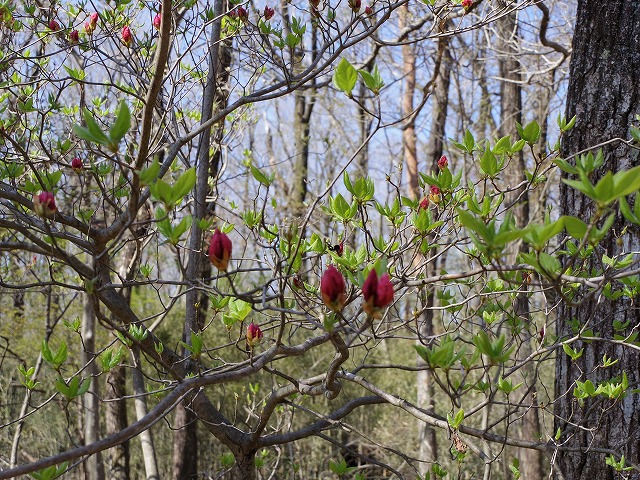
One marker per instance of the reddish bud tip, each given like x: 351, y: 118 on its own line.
x: 254, y: 335
x: 220, y: 250
x: 45, y: 204
x: 443, y: 162
x: 93, y: 19
x: 157, y: 20
x: 467, y: 3
x: 378, y: 294
x: 77, y: 165
x: 74, y: 36
x: 368, y: 10
x: 333, y: 289
x: 424, y: 204
x: 355, y: 5
x: 268, y: 13
x: 53, y: 25
x: 127, y: 36
x: 434, y: 195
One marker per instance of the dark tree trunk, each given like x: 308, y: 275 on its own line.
x: 115, y: 421
x: 604, y: 94
x: 185, y: 444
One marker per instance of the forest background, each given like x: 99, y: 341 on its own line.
x: 319, y: 239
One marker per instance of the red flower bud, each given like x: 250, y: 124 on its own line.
x: 378, y: 294
x: 467, y: 3
x: 74, y: 36
x: 443, y: 162
x: 297, y: 282
x: 93, y: 19
x: 53, y: 25
x: 424, y: 204
x: 242, y: 13
x: 220, y: 250
x: 157, y: 20
x: 254, y: 335
x: 268, y: 13
x: 77, y: 165
x: 45, y: 204
x: 127, y: 36
x: 368, y: 10
x: 434, y: 194
x: 88, y: 29
x: 355, y: 5
x: 333, y: 289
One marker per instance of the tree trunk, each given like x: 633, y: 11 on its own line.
x: 604, y: 95
x: 185, y: 444
x: 409, y: 128
x: 116, y: 421
x: 94, y: 469
x: 507, y: 45
x: 428, y: 451
x: 140, y: 402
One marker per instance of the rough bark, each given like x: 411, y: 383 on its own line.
x: 604, y: 94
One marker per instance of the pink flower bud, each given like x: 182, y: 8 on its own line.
x: 77, y: 165
x: 424, y: 204
x: 467, y: 3
x: 157, y: 20
x: 355, y: 5
x: 443, y: 162
x: 88, y: 29
x: 435, y: 195
x: 333, y: 289
x: 268, y: 13
x: 378, y: 294
x: 53, y: 25
x: 368, y: 10
x: 127, y: 36
x: 93, y: 19
x: 45, y: 204
x: 74, y: 36
x: 220, y: 250
x: 254, y: 335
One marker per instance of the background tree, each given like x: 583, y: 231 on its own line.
x: 605, y: 104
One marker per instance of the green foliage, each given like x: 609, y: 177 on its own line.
x: 345, y: 77
x: 341, y: 468
x: 94, y: 134
x: 55, y: 360
x: 51, y: 472
x: 172, y: 195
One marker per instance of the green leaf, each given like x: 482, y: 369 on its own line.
x: 121, y: 126
x: 372, y: 80
x: 93, y: 132
x: 261, y: 177
x: 345, y: 76
x: 149, y: 174
x: 530, y: 133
